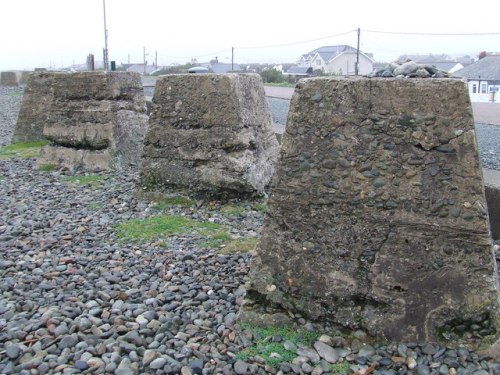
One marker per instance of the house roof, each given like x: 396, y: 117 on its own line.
x: 218, y: 67
x: 328, y: 53
x: 443, y: 65
x: 488, y: 68
x: 299, y: 70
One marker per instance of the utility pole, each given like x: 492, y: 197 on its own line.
x: 156, y: 59
x: 356, y: 70
x: 232, y: 58
x: 105, y: 51
x: 144, y: 58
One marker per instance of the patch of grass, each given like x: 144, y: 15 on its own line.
x: 2, y: 178
x: 260, y: 207
x: 47, y: 167
x: 216, y: 240
x: 162, y: 226
x: 15, y: 93
x: 237, y: 210
x: 233, y: 210
x: 241, y: 245
x: 340, y: 368
x: 25, y: 150
x: 92, y: 179
x: 174, y: 201
x: 275, y: 353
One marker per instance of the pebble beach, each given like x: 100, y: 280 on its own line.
x: 76, y: 297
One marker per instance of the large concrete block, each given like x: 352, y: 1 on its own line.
x: 377, y: 217
x: 99, y: 117
x: 209, y: 134
x: 8, y: 79
x: 35, y: 108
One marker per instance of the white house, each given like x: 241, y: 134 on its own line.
x: 483, y: 79
x: 339, y: 60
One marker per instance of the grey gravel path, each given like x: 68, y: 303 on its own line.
x: 74, y: 299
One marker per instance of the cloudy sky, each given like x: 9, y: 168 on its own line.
x: 57, y: 33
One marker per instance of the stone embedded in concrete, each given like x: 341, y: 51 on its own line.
x: 8, y: 79
x: 377, y: 216
x: 210, y: 134
x: 95, y: 120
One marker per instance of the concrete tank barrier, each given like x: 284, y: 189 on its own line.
x: 35, y: 107
x: 8, y: 79
x: 95, y: 120
x: 209, y: 134
x: 377, y: 217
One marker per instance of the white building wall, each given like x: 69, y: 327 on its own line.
x: 344, y: 64
x: 481, y: 92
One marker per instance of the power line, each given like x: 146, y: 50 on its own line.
x: 300, y: 42
x: 431, y: 34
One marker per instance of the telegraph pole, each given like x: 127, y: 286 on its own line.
x: 357, y: 54
x: 105, y: 52
x: 232, y: 58
x: 144, y: 57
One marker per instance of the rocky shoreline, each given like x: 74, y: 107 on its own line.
x: 75, y: 298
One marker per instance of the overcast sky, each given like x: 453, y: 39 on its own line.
x: 57, y: 33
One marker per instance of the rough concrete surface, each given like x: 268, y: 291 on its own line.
x: 377, y: 216
x: 209, y: 134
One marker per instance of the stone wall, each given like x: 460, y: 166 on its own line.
x: 8, y: 79
x: 95, y: 120
x: 377, y: 217
x: 210, y: 134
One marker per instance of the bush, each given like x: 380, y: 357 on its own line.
x: 272, y: 76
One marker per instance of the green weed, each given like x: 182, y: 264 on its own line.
x: 275, y: 353
x: 92, y: 179
x: 47, y: 167
x: 137, y: 230
x: 174, y: 201
x: 216, y: 240
x: 340, y: 368
x: 25, y: 150
x: 260, y: 207
x: 233, y: 210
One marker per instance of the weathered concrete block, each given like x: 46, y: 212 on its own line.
x: 377, y: 216
x: 210, y: 134
x: 8, y: 79
x: 24, y: 76
x: 93, y: 114
x: 35, y: 108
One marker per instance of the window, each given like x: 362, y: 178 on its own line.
x: 483, y: 88
x: 318, y: 62
x: 474, y: 88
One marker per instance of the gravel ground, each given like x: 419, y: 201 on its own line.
x: 10, y: 104
x: 76, y: 299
